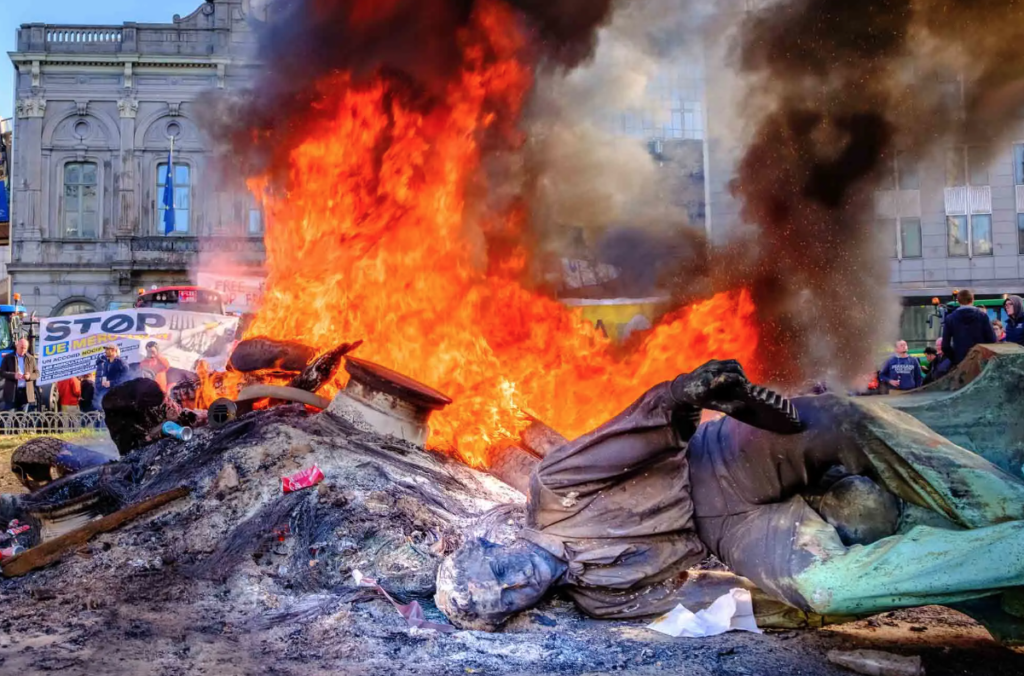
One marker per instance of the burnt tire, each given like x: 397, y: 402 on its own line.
x: 32, y: 462
x: 48, y: 397
x: 258, y: 354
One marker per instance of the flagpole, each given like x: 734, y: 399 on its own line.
x: 168, y: 197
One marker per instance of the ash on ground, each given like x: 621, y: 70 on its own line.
x: 239, y: 578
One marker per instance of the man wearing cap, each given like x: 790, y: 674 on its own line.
x: 111, y: 371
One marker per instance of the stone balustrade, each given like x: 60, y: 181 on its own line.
x: 83, y: 34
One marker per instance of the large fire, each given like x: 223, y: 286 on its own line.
x: 373, y: 241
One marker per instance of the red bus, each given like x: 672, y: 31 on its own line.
x: 185, y: 298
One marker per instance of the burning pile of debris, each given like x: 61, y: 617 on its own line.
x: 302, y: 532
x: 229, y: 511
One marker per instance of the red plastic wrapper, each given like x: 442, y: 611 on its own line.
x: 304, y: 479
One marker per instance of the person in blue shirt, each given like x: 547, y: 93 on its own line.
x: 111, y: 371
x: 1014, y: 319
x: 902, y: 371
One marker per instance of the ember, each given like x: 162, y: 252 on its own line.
x: 374, y: 241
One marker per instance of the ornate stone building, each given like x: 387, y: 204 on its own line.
x: 96, y: 109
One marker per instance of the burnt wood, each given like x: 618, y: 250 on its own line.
x: 51, y: 551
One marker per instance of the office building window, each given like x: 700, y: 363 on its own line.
x: 967, y: 165
x: 81, y: 200
x: 907, y: 177
x: 905, y: 235
x: 182, y: 198
x: 958, y: 236
x: 255, y: 221
x: 891, y: 228
x: 910, y: 238
x: 981, y: 235
x: 977, y: 165
x: 955, y: 171
x: 970, y: 236
x: 904, y: 173
x: 951, y: 89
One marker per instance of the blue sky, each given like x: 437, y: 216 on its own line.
x: 13, y: 13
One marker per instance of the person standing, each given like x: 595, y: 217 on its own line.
x: 942, y: 364
x: 902, y: 371
x: 930, y: 355
x: 20, y: 373
x: 1014, y: 307
x: 156, y: 364
x: 111, y: 371
x: 69, y: 391
x: 85, y: 401
x: 997, y: 328
x: 966, y: 327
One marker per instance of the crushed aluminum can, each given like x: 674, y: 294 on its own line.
x: 304, y: 479
x: 8, y: 552
x: 176, y: 431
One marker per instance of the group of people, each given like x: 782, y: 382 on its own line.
x: 963, y: 328
x: 20, y: 371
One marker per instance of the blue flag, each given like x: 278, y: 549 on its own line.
x: 168, y: 200
x: 5, y: 212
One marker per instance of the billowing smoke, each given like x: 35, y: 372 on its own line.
x: 597, y: 193
x: 838, y: 88
x: 830, y: 91
x: 413, y: 42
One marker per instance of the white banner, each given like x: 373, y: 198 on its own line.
x: 242, y: 293
x: 70, y: 346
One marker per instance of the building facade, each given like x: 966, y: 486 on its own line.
x: 6, y: 138
x: 97, y: 110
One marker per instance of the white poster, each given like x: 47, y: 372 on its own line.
x: 242, y: 293
x: 70, y: 346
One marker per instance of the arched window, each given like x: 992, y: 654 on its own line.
x: 73, y: 307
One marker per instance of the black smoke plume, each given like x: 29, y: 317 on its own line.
x: 414, y: 43
x: 838, y: 88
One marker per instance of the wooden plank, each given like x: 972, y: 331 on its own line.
x: 51, y: 551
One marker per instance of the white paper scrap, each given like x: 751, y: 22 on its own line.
x: 730, y: 612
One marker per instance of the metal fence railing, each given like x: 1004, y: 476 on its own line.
x: 49, y: 422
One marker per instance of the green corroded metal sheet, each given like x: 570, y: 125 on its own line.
x: 986, y: 416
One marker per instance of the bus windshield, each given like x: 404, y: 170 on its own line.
x: 187, y: 299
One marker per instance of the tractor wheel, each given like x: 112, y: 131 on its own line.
x: 32, y: 461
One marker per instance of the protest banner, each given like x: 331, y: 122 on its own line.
x: 70, y: 346
x: 241, y: 293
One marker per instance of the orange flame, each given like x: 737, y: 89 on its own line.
x: 373, y: 242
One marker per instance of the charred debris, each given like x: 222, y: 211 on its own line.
x: 277, y: 483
